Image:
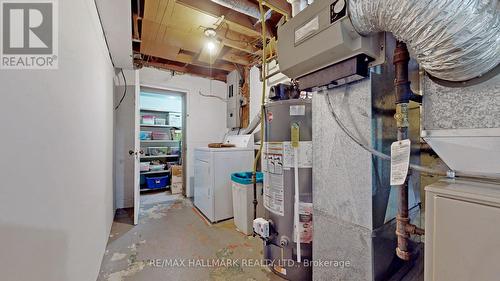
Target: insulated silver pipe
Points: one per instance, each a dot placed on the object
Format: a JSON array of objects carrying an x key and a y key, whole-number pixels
[
  {"x": 246, "y": 7},
  {"x": 454, "y": 40}
]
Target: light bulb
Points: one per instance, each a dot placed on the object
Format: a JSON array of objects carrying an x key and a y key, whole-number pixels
[{"x": 210, "y": 45}]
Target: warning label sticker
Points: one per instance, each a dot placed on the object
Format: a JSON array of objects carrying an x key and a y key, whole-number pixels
[
  {"x": 305, "y": 223},
  {"x": 400, "y": 160},
  {"x": 272, "y": 167}
]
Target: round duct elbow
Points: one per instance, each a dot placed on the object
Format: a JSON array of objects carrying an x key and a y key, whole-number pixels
[{"x": 453, "y": 40}]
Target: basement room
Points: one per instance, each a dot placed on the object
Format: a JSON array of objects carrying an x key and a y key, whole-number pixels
[{"x": 255, "y": 140}]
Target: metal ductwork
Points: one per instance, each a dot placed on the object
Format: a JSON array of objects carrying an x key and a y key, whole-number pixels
[
  {"x": 246, "y": 7},
  {"x": 453, "y": 40}
]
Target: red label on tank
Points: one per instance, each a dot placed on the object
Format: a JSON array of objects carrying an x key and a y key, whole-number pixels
[{"x": 270, "y": 117}]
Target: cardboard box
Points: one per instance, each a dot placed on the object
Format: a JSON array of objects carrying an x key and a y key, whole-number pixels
[
  {"x": 176, "y": 188},
  {"x": 176, "y": 174},
  {"x": 176, "y": 170}
]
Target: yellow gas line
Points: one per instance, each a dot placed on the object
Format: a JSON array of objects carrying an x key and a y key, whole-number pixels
[
  {"x": 276, "y": 9},
  {"x": 262, "y": 114}
]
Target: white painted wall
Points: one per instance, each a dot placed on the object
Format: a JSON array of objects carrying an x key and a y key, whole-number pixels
[
  {"x": 118, "y": 30},
  {"x": 206, "y": 117},
  {"x": 56, "y": 187}
]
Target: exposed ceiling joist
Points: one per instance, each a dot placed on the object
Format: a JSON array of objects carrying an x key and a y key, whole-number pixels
[
  {"x": 171, "y": 34},
  {"x": 238, "y": 22},
  {"x": 236, "y": 40},
  {"x": 221, "y": 76},
  {"x": 230, "y": 56}
]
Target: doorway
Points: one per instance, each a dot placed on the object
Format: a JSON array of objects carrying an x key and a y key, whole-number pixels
[{"x": 161, "y": 138}]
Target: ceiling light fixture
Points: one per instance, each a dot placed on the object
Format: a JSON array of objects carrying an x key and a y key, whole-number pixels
[
  {"x": 210, "y": 45},
  {"x": 210, "y": 32}
]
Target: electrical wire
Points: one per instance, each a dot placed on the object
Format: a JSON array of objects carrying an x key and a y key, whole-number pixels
[
  {"x": 210, "y": 81},
  {"x": 370, "y": 149},
  {"x": 240, "y": 114},
  {"x": 212, "y": 96},
  {"x": 124, "y": 92}
]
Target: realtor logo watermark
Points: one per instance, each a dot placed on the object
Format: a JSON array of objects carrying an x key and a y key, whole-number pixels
[{"x": 29, "y": 34}]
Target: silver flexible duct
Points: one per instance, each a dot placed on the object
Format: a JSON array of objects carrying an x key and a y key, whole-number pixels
[
  {"x": 246, "y": 7},
  {"x": 454, "y": 40}
]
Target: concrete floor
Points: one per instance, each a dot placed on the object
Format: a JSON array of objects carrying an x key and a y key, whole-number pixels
[{"x": 172, "y": 232}]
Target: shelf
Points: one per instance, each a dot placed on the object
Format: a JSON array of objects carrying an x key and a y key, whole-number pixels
[
  {"x": 159, "y": 156},
  {"x": 156, "y": 141},
  {"x": 158, "y": 126},
  {"x": 155, "y": 172},
  {"x": 156, "y": 189},
  {"x": 160, "y": 111}
]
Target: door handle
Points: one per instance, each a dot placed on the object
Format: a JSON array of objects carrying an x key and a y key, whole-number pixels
[{"x": 131, "y": 152}]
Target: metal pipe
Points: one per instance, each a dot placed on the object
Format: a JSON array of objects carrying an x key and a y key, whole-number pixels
[
  {"x": 297, "y": 6},
  {"x": 403, "y": 95},
  {"x": 246, "y": 7}
]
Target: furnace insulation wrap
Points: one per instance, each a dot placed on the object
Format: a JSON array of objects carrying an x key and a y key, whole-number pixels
[{"x": 454, "y": 40}]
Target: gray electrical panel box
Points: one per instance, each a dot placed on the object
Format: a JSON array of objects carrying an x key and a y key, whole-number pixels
[
  {"x": 322, "y": 35},
  {"x": 233, "y": 100}
]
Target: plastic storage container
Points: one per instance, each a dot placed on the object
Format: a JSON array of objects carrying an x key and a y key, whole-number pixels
[
  {"x": 243, "y": 200},
  {"x": 158, "y": 167},
  {"x": 175, "y": 119},
  {"x": 145, "y": 135},
  {"x": 145, "y": 166},
  {"x": 160, "y": 121},
  {"x": 148, "y": 120},
  {"x": 155, "y": 151},
  {"x": 160, "y": 136},
  {"x": 175, "y": 150},
  {"x": 156, "y": 182}
]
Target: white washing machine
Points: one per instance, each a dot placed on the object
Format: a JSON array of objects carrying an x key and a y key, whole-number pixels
[{"x": 212, "y": 175}]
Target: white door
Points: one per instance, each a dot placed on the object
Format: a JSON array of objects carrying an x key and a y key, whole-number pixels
[
  {"x": 137, "y": 150},
  {"x": 127, "y": 146}
]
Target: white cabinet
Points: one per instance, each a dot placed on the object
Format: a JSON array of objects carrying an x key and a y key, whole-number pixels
[{"x": 462, "y": 224}]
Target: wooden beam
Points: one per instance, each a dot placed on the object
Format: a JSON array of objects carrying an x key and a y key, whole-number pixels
[
  {"x": 136, "y": 19},
  {"x": 239, "y": 21},
  {"x": 245, "y": 92},
  {"x": 231, "y": 57},
  {"x": 186, "y": 59},
  {"x": 236, "y": 40},
  {"x": 221, "y": 76}
]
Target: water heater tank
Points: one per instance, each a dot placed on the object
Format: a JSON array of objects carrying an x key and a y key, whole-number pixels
[{"x": 279, "y": 185}]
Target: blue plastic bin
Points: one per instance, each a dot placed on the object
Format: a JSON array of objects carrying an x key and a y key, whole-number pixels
[
  {"x": 145, "y": 135},
  {"x": 246, "y": 178},
  {"x": 156, "y": 182}
]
